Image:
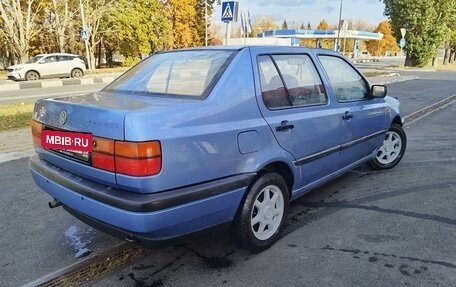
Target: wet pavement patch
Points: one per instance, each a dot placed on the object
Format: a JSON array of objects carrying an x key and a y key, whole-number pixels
[
  {"x": 373, "y": 259},
  {"x": 215, "y": 262},
  {"x": 76, "y": 241}
]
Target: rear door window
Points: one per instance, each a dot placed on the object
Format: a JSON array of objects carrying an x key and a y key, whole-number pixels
[{"x": 290, "y": 80}]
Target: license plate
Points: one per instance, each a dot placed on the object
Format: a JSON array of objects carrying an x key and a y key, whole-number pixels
[{"x": 72, "y": 143}]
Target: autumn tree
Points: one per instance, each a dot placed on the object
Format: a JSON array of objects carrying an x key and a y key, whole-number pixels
[
  {"x": 327, "y": 44},
  {"x": 181, "y": 15},
  {"x": 426, "y": 22},
  {"x": 386, "y": 44},
  {"x": 201, "y": 7},
  {"x": 19, "y": 24},
  {"x": 323, "y": 25},
  {"x": 263, "y": 24},
  {"x": 139, "y": 27},
  {"x": 60, "y": 16}
]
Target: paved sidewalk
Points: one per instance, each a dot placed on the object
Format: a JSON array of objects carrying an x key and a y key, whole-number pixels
[{"x": 15, "y": 144}]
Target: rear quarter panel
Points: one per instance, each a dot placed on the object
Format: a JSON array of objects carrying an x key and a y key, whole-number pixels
[{"x": 199, "y": 140}]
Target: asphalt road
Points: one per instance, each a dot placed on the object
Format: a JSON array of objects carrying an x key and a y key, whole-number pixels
[
  {"x": 364, "y": 229},
  {"x": 31, "y": 95}
]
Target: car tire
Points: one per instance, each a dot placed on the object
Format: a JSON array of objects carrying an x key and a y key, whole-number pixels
[
  {"x": 392, "y": 149},
  {"x": 77, "y": 73},
  {"x": 262, "y": 213},
  {"x": 32, "y": 76}
]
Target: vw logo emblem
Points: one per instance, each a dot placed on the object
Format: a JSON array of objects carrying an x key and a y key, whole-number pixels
[{"x": 63, "y": 117}]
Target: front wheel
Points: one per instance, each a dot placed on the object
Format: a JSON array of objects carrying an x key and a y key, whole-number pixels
[
  {"x": 392, "y": 149},
  {"x": 77, "y": 73},
  {"x": 262, "y": 213},
  {"x": 32, "y": 76}
]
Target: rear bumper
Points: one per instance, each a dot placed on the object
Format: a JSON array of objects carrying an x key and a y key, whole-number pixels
[{"x": 157, "y": 216}]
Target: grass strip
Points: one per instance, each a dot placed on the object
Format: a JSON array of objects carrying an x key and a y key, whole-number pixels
[{"x": 15, "y": 116}]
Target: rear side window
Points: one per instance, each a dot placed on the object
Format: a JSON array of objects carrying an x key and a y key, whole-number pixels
[
  {"x": 182, "y": 73},
  {"x": 65, "y": 58},
  {"x": 347, "y": 83},
  {"x": 290, "y": 80}
]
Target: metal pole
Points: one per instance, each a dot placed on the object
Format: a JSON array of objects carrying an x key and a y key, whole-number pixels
[
  {"x": 84, "y": 28},
  {"x": 205, "y": 22},
  {"x": 338, "y": 29},
  {"x": 226, "y": 33}
]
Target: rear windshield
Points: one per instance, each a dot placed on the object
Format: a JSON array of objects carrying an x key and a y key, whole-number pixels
[{"x": 189, "y": 73}]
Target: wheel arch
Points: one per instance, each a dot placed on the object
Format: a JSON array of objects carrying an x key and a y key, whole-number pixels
[
  {"x": 281, "y": 168},
  {"x": 32, "y": 70},
  {"x": 397, "y": 120}
]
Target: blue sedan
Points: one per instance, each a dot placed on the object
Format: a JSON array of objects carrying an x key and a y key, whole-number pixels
[{"x": 192, "y": 139}]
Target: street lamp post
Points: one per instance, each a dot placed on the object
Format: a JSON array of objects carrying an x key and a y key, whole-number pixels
[{"x": 338, "y": 29}]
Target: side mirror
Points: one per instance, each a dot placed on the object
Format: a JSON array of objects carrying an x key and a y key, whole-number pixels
[
  {"x": 378, "y": 91},
  {"x": 41, "y": 62}
]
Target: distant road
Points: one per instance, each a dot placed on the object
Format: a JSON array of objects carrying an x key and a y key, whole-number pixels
[{"x": 31, "y": 95}]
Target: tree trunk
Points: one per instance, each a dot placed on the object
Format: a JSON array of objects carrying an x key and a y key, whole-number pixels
[
  {"x": 410, "y": 61},
  {"x": 99, "y": 53},
  {"x": 451, "y": 60},
  {"x": 108, "y": 52},
  {"x": 24, "y": 56},
  {"x": 446, "y": 56}
]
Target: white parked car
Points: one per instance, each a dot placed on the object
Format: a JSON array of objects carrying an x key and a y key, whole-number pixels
[{"x": 48, "y": 66}]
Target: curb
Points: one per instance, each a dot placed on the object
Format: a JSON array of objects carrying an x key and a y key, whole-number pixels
[
  {"x": 365, "y": 61},
  {"x": 56, "y": 83}
]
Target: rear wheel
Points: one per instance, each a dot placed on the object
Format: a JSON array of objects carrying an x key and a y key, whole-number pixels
[
  {"x": 77, "y": 73},
  {"x": 32, "y": 76},
  {"x": 392, "y": 149},
  {"x": 262, "y": 213}
]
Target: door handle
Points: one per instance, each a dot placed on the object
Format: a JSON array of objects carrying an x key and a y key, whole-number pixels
[
  {"x": 347, "y": 115},
  {"x": 284, "y": 125}
]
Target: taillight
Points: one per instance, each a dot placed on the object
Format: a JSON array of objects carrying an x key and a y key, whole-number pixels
[
  {"x": 138, "y": 159},
  {"x": 103, "y": 154},
  {"x": 37, "y": 127},
  {"x": 129, "y": 158}
]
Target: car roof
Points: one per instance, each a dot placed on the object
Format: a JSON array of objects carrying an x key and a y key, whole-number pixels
[{"x": 56, "y": 54}]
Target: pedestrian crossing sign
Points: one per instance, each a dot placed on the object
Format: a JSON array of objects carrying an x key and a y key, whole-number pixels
[{"x": 229, "y": 11}]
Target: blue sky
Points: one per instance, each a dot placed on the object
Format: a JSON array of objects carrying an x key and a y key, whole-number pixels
[{"x": 303, "y": 11}]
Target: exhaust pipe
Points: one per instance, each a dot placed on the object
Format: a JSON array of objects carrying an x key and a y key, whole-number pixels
[
  {"x": 55, "y": 203},
  {"x": 132, "y": 239}
]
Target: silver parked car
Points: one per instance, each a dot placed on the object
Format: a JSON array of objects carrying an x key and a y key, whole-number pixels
[{"x": 48, "y": 66}]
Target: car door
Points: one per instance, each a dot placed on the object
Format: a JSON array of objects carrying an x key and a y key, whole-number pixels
[
  {"x": 295, "y": 105},
  {"x": 363, "y": 117},
  {"x": 49, "y": 66},
  {"x": 65, "y": 65}
]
